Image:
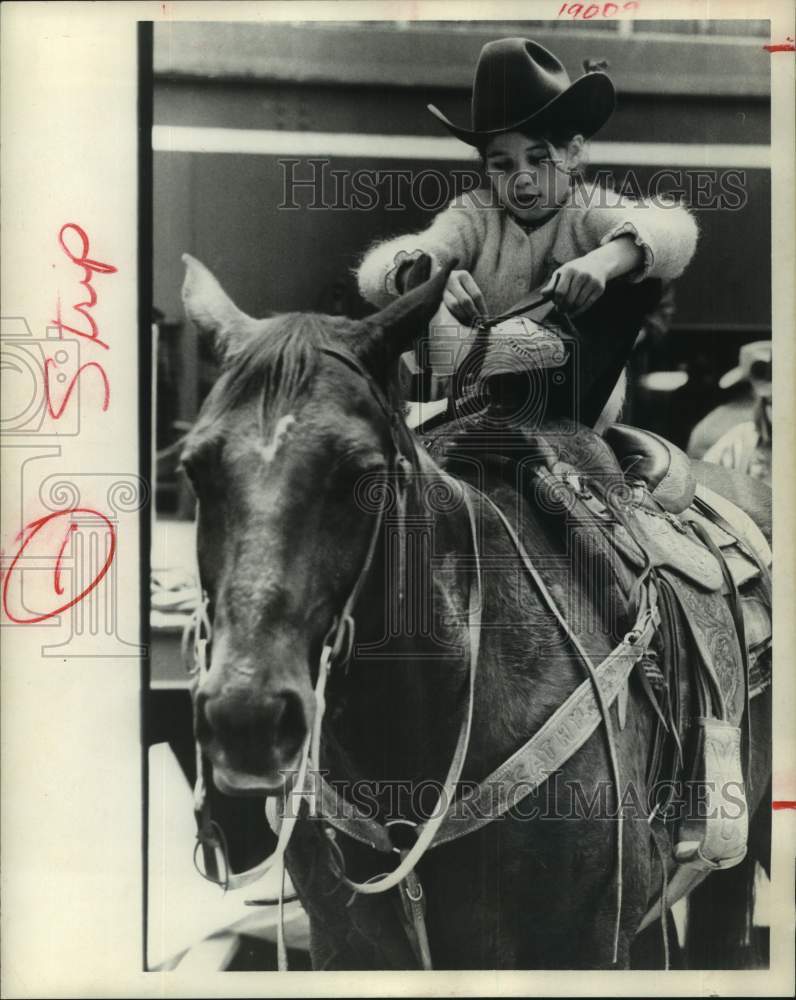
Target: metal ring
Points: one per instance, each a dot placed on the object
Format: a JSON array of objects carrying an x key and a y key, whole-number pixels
[
  {"x": 400, "y": 822},
  {"x": 418, "y": 897}
]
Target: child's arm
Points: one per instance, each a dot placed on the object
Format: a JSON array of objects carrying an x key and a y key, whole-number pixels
[
  {"x": 579, "y": 283},
  {"x": 611, "y": 236},
  {"x": 455, "y": 234}
]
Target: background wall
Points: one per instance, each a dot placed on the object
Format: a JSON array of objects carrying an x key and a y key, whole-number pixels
[{"x": 691, "y": 95}]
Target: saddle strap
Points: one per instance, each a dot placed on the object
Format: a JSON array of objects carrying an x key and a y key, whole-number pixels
[{"x": 413, "y": 911}]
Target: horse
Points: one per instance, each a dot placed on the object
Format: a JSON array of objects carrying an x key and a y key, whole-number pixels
[{"x": 331, "y": 543}]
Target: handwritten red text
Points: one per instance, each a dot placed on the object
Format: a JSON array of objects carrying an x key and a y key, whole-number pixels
[
  {"x": 74, "y": 242},
  {"x": 587, "y": 11},
  {"x": 31, "y": 531}
]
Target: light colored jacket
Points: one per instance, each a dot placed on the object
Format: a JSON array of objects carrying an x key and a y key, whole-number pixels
[{"x": 507, "y": 260}]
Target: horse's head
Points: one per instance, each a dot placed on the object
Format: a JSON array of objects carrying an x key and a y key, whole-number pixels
[{"x": 275, "y": 457}]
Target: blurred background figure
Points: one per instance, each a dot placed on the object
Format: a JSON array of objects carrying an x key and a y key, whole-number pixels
[
  {"x": 746, "y": 446},
  {"x": 737, "y": 409}
]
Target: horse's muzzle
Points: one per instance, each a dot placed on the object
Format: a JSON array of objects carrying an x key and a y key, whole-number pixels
[{"x": 251, "y": 742}]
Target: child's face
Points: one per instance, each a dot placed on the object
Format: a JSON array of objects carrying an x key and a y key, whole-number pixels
[{"x": 530, "y": 176}]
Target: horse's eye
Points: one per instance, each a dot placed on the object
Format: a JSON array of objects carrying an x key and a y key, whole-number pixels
[{"x": 353, "y": 473}]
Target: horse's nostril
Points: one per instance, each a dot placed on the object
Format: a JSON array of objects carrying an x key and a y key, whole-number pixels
[{"x": 256, "y": 736}]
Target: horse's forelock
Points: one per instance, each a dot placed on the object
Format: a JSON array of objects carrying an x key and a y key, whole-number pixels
[{"x": 279, "y": 364}]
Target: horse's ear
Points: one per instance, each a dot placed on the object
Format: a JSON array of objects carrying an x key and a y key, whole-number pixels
[
  {"x": 213, "y": 312},
  {"x": 394, "y": 330}
]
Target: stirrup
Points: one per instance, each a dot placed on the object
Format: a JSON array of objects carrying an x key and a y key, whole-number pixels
[{"x": 717, "y": 836}]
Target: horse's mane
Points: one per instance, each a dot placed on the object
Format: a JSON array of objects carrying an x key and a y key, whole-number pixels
[{"x": 280, "y": 363}]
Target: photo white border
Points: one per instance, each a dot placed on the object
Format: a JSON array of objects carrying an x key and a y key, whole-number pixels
[{"x": 71, "y": 745}]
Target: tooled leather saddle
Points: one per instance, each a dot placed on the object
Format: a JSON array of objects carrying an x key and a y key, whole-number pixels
[
  {"x": 636, "y": 508},
  {"x": 633, "y": 504}
]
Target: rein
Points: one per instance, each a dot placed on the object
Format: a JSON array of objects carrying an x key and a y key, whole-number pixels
[{"x": 570, "y": 726}]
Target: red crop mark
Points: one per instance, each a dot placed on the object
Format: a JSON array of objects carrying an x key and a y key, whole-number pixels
[
  {"x": 28, "y": 533},
  {"x": 783, "y": 804},
  {"x": 81, "y": 258},
  {"x": 786, "y": 46}
]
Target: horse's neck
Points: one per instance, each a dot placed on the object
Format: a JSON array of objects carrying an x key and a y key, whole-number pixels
[{"x": 405, "y": 697}]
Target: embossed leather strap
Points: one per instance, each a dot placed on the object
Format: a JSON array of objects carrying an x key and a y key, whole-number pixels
[{"x": 561, "y": 736}]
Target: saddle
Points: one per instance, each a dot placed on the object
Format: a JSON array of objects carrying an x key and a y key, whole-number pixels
[{"x": 632, "y": 502}]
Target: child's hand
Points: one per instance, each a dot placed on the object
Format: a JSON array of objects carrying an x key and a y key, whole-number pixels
[
  {"x": 577, "y": 285},
  {"x": 463, "y": 298}
]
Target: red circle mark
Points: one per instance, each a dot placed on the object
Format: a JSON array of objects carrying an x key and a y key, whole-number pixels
[
  {"x": 57, "y": 575},
  {"x": 32, "y": 530}
]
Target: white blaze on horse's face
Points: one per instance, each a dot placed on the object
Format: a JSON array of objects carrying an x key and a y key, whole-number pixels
[{"x": 280, "y": 435}]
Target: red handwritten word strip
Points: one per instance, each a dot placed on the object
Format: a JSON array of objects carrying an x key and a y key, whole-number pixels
[
  {"x": 75, "y": 243},
  {"x": 783, "y": 804}
]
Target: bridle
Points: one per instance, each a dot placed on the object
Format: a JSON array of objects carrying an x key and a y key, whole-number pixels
[
  {"x": 570, "y": 726},
  {"x": 336, "y": 651}
]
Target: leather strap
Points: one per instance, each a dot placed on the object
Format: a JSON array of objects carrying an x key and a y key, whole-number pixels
[
  {"x": 528, "y": 302},
  {"x": 413, "y": 907},
  {"x": 428, "y": 831},
  {"x": 561, "y": 736},
  {"x": 606, "y": 719}
]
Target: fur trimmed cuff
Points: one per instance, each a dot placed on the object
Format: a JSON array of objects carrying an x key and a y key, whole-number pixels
[
  {"x": 390, "y": 278},
  {"x": 628, "y": 229}
]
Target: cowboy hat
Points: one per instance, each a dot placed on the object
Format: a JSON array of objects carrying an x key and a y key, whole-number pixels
[
  {"x": 754, "y": 366},
  {"x": 519, "y": 85}
]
